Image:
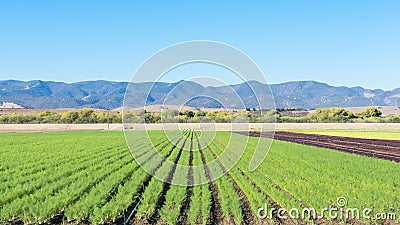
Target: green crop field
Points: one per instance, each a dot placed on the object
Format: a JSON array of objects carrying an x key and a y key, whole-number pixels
[{"x": 91, "y": 177}]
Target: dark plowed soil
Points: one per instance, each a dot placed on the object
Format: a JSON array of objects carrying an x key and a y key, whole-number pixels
[
  {"x": 131, "y": 209},
  {"x": 215, "y": 211},
  {"x": 277, "y": 220},
  {"x": 248, "y": 215},
  {"x": 383, "y": 149},
  {"x": 189, "y": 189},
  {"x": 166, "y": 186}
]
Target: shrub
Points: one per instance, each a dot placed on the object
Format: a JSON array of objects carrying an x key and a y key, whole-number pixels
[{"x": 370, "y": 112}]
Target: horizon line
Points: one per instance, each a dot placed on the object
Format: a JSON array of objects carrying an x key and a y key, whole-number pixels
[{"x": 173, "y": 82}]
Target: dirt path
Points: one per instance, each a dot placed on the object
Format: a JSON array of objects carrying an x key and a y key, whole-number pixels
[{"x": 198, "y": 126}]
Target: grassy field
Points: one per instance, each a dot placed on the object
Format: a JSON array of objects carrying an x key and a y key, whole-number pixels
[
  {"x": 371, "y": 134},
  {"x": 91, "y": 176}
]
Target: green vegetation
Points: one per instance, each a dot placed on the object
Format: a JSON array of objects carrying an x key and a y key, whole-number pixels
[
  {"x": 91, "y": 175},
  {"x": 200, "y": 205},
  {"x": 317, "y": 177},
  {"x": 72, "y": 116},
  {"x": 369, "y": 112},
  {"x": 341, "y": 115},
  {"x": 323, "y": 115}
]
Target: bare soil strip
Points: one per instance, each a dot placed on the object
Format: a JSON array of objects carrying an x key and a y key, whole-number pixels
[
  {"x": 114, "y": 192},
  {"x": 259, "y": 189},
  {"x": 38, "y": 187},
  {"x": 383, "y": 149},
  {"x": 77, "y": 198},
  {"x": 189, "y": 189},
  {"x": 385, "y": 144},
  {"x": 139, "y": 193},
  {"x": 210, "y": 126},
  {"x": 166, "y": 186},
  {"x": 58, "y": 218},
  {"x": 248, "y": 215},
  {"x": 215, "y": 209},
  {"x": 317, "y": 220}
]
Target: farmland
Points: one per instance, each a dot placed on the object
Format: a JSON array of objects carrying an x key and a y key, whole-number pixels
[
  {"x": 91, "y": 177},
  {"x": 369, "y": 134},
  {"x": 377, "y": 148}
]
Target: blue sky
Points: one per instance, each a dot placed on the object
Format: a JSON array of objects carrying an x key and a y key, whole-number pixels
[{"x": 340, "y": 42}]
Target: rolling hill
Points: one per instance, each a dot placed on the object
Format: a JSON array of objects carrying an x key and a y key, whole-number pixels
[{"x": 108, "y": 95}]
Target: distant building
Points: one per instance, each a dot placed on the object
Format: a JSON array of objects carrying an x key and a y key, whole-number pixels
[{"x": 10, "y": 105}]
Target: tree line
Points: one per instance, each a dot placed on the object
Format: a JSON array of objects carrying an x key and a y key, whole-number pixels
[
  {"x": 341, "y": 115},
  {"x": 323, "y": 115},
  {"x": 69, "y": 117}
]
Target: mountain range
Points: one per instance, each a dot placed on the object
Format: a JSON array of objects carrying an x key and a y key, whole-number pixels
[{"x": 108, "y": 95}]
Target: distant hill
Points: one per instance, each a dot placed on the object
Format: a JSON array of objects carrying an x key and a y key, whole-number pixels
[{"x": 108, "y": 95}]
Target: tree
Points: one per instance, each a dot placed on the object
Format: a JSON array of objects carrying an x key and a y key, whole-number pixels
[
  {"x": 331, "y": 115},
  {"x": 139, "y": 112},
  {"x": 152, "y": 117},
  {"x": 200, "y": 114},
  {"x": 396, "y": 118},
  {"x": 87, "y": 116},
  {"x": 170, "y": 116},
  {"x": 69, "y": 117},
  {"x": 271, "y": 116},
  {"x": 370, "y": 112},
  {"x": 47, "y": 117},
  {"x": 188, "y": 113}
]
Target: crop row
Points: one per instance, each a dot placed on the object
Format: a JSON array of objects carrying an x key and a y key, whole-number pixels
[
  {"x": 81, "y": 179},
  {"x": 292, "y": 179}
]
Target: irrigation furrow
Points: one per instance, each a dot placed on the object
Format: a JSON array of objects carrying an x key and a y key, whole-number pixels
[
  {"x": 166, "y": 186},
  {"x": 248, "y": 215},
  {"x": 44, "y": 181},
  {"x": 189, "y": 189},
  {"x": 277, "y": 186},
  {"x": 89, "y": 192},
  {"x": 317, "y": 220},
  {"x": 55, "y": 159},
  {"x": 115, "y": 190},
  {"x": 69, "y": 187},
  {"x": 131, "y": 210},
  {"x": 34, "y": 168},
  {"x": 215, "y": 212},
  {"x": 259, "y": 189}
]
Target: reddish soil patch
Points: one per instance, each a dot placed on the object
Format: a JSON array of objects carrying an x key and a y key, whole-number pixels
[{"x": 383, "y": 149}]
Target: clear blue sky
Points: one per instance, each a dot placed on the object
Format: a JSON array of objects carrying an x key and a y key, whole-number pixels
[{"x": 340, "y": 42}]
